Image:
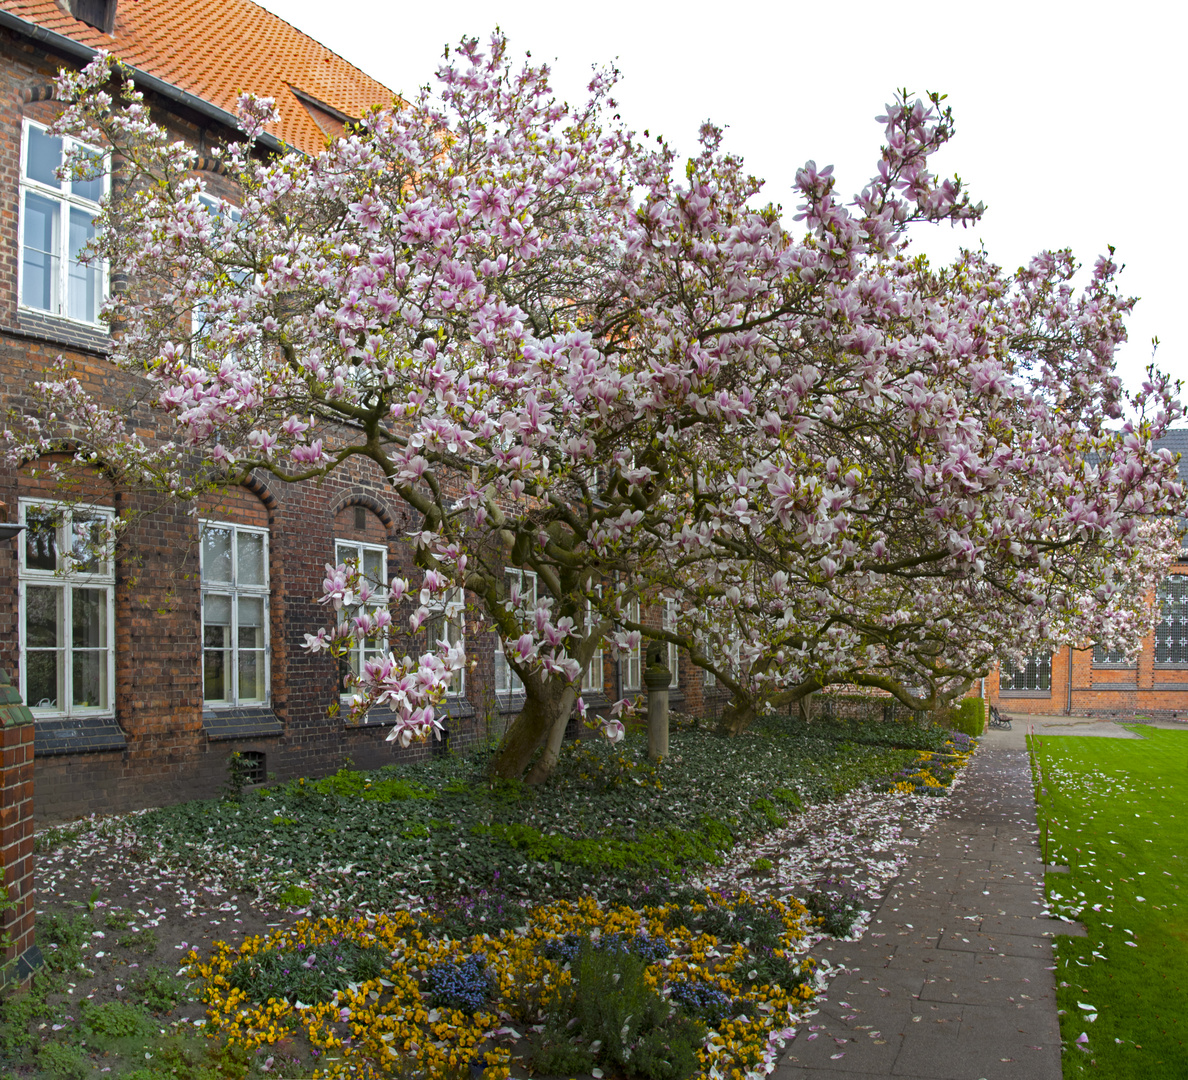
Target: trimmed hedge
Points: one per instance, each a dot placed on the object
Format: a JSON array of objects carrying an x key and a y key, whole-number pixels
[{"x": 970, "y": 716}]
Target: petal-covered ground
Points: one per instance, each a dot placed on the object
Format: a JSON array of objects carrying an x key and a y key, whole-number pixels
[{"x": 312, "y": 960}]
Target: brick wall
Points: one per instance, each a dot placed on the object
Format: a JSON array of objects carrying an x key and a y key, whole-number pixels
[{"x": 16, "y": 830}]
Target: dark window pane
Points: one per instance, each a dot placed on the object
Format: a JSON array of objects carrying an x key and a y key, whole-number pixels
[
  {"x": 43, "y": 616},
  {"x": 41, "y": 539},
  {"x": 90, "y": 678},
  {"x": 214, "y": 675},
  {"x": 88, "y": 541},
  {"x": 89, "y": 616},
  {"x": 43, "y": 675},
  {"x": 216, "y": 554}
]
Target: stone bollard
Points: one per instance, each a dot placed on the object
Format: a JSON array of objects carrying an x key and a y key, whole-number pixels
[
  {"x": 657, "y": 678},
  {"x": 16, "y": 832}
]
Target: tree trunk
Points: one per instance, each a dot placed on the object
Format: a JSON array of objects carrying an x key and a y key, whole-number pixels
[
  {"x": 735, "y": 719},
  {"x": 547, "y": 762},
  {"x": 544, "y": 706}
]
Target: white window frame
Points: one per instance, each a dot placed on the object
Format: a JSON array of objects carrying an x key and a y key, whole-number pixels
[
  {"x": 215, "y": 207},
  {"x": 594, "y": 677},
  {"x": 507, "y": 682},
  {"x": 67, "y": 580},
  {"x": 66, "y": 200},
  {"x": 354, "y": 549},
  {"x": 633, "y": 660},
  {"x": 709, "y": 680},
  {"x": 235, "y": 590},
  {"x": 450, "y": 613},
  {"x": 668, "y": 621}
]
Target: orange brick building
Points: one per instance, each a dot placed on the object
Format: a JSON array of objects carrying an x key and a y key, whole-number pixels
[{"x": 1091, "y": 682}]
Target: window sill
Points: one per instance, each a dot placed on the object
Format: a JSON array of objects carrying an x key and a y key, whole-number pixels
[
  {"x": 63, "y": 331},
  {"x": 1114, "y": 685},
  {"x": 240, "y": 722},
  {"x": 509, "y": 703},
  {"x": 76, "y": 735},
  {"x": 1115, "y": 667},
  {"x": 1024, "y": 693}
]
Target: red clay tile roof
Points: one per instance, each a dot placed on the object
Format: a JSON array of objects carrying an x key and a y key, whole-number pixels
[{"x": 217, "y": 49}]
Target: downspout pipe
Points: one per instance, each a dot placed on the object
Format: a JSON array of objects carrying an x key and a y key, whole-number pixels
[
  {"x": 76, "y": 50},
  {"x": 1068, "y": 710}
]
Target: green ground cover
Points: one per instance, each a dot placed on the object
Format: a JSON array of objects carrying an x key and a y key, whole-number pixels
[
  {"x": 443, "y": 926},
  {"x": 1113, "y": 811},
  {"x": 608, "y": 819}
]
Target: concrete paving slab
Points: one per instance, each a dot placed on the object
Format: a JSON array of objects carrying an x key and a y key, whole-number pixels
[
  {"x": 954, "y": 977},
  {"x": 1003, "y": 944}
]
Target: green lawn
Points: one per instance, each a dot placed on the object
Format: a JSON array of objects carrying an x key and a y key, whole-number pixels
[{"x": 1114, "y": 811}]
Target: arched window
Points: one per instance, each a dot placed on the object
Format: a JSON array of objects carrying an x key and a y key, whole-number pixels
[
  {"x": 67, "y": 598},
  {"x": 235, "y": 656},
  {"x": 1035, "y": 673},
  {"x": 1171, "y": 635},
  {"x": 1111, "y": 657}
]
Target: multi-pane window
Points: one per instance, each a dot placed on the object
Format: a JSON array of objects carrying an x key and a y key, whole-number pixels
[
  {"x": 67, "y": 598},
  {"x": 592, "y": 677},
  {"x": 221, "y": 213},
  {"x": 1035, "y": 673},
  {"x": 670, "y": 623},
  {"x": 709, "y": 681},
  {"x": 633, "y": 661},
  {"x": 234, "y": 614},
  {"x": 372, "y": 561},
  {"x": 522, "y": 585},
  {"x": 1102, "y": 655},
  {"x": 57, "y": 224},
  {"x": 448, "y": 624},
  {"x": 1171, "y": 635}
]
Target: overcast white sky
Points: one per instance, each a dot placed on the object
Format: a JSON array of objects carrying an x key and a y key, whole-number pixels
[{"x": 1070, "y": 117}]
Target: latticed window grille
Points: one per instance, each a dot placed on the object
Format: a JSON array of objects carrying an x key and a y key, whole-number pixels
[
  {"x": 1034, "y": 674},
  {"x": 1171, "y": 636},
  {"x": 1102, "y": 655}
]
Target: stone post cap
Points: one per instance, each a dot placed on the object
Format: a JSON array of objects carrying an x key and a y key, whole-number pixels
[{"x": 657, "y": 678}]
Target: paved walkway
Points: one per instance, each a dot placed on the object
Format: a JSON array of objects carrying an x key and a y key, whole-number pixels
[{"x": 953, "y": 980}]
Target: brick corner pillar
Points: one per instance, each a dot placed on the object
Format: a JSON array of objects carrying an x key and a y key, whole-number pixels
[{"x": 22, "y": 957}]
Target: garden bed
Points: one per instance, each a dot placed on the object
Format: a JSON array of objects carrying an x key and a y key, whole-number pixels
[{"x": 695, "y": 871}]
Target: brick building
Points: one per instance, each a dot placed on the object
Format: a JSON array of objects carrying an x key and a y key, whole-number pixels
[
  {"x": 1092, "y": 682},
  {"x": 146, "y": 670}
]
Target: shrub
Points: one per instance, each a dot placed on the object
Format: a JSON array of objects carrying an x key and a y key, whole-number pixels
[
  {"x": 610, "y": 1004},
  {"x": 969, "y": 717}
]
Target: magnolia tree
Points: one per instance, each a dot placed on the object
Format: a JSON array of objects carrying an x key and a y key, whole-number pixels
[
  {"x": 915, "y": 471},
  {"x": 565, "y": 359}
]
